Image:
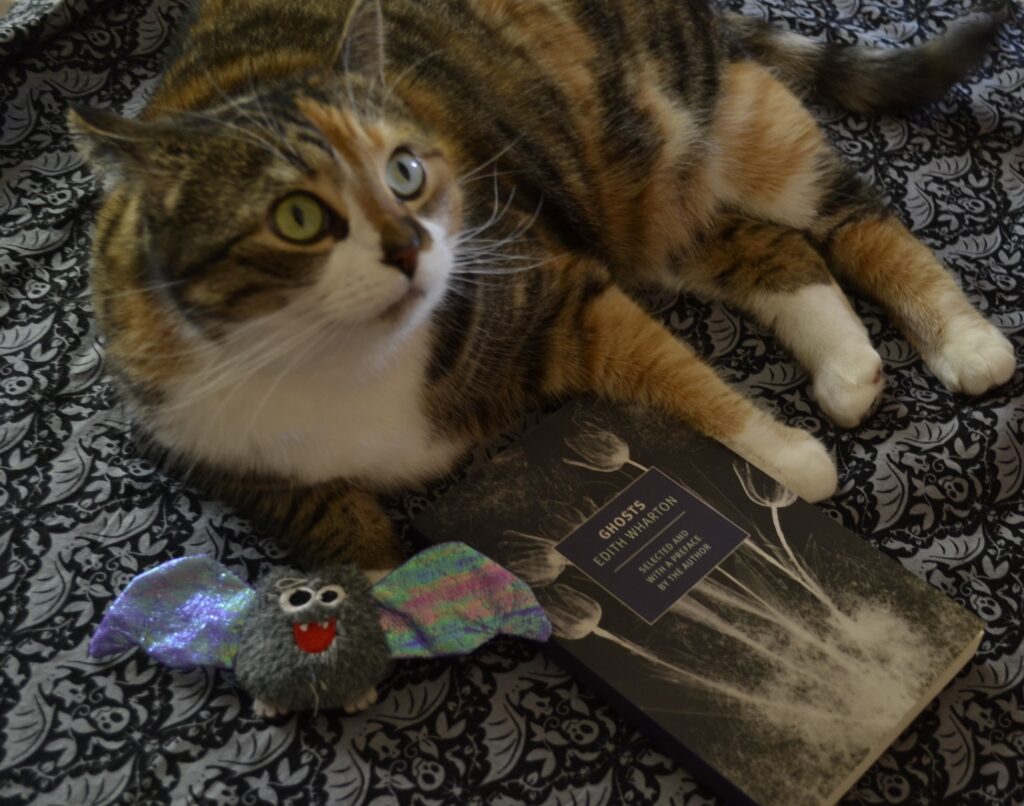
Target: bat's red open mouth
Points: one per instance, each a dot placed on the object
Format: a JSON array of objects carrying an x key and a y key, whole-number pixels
[{"x": 314, "y": 636}]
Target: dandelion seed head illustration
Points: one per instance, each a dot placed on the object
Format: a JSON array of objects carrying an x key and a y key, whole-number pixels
[
  {"x": 532, "y": 558},
  {"x": 573, "y": 615},
  {"x": 765, "y": 493},
  {"x": 567, "y": 517},
  {"x": 598, "y": 449}
]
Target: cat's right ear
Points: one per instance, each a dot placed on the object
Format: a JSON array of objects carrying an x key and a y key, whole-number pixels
[
  {"x": 361, "y": 49},
  {"x": 111, "y": 144}
]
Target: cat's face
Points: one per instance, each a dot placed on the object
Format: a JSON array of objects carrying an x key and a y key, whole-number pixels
[{"x": 279, "y": 216}]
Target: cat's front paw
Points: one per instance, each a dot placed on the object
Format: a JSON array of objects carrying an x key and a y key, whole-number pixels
[
  {"x": 362, "y": 702},
  {"x": 793, "y": 457},
  {"x": 805, "y": 467},
  {"x": 974, "y": 358},
  {"x": 849, "y": 385}
]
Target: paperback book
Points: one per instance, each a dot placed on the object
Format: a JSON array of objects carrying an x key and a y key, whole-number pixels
[{"x": 769, "y": 649}]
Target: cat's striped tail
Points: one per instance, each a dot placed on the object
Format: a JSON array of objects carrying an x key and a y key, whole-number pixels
[{"x": 866, "y": 79}]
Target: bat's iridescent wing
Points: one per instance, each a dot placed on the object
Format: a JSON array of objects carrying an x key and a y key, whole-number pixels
[
  {"x": 450, "y": 599},
  {"x": 184, "y": 613}
]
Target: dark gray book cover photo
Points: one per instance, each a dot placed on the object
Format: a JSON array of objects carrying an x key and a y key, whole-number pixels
[{"x": 772, "y": 651}]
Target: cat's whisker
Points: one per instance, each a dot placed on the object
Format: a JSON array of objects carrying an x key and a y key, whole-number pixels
[
  {"x": 233, "y": 369},
  {"x": 249, "y": 349},
  {"x": 404, "y": 75},
  {"x": 497, "y": 213},
  {"x": 235, "y": 132},
  {"x": 478, "y": 271},
  {"x": 261, "y": 119},
  {"x": 485, "y": 260},
  {"x": 492, "y": 176},
  {"x": 514, "y": 236},
  {"x": 492, "y": 160},
  {"x": 302, "y": 351},
  {"x": 323, "y": 337},
  {"x": 141, "y": 291},
  {"x": 235, "y": 104}
]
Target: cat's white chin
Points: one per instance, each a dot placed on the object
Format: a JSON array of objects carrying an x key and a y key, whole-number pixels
[
  {"x": 357, "y": 289},
  {"x": 406, "y": 304}
]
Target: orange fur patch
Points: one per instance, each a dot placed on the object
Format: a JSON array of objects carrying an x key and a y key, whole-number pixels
[
  {"x": 883, "y": 259},
  {"x": 631, "y": 358},
  {"x": 769, "y": 146}
]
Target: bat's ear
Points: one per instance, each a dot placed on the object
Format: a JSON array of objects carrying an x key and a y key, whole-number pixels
[{"x": 183, "y": 613}]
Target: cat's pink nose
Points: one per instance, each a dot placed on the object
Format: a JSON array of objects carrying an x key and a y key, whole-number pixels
[{"x": 401, "y": 242}]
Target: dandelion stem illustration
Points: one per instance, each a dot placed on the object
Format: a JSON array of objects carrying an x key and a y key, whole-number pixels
[{"x": 575, "y": 615}]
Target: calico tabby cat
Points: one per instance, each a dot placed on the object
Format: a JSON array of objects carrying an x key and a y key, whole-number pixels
[{"x": 346, "y": 242}]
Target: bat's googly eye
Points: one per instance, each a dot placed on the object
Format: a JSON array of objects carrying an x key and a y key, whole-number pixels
[
  {"x": 295, "y": 599},
  {"x": 330, "y": 595}
]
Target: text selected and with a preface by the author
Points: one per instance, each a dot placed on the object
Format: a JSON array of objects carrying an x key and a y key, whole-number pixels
[{"x": 651, "y": 543}]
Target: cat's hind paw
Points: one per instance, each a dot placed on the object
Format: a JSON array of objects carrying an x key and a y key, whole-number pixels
[
  {"x": 974, "y": 358},
  {"x": 850, "y": 385}
]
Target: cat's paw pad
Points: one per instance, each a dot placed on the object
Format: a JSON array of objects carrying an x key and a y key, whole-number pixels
[
  {"x": 362, "y": 702},
  {"x": 804, "y": 466},
  {"x": 849, "y": 385},
  {"x": 975, "y": 357},
  {"x": 264, "y": 710}
]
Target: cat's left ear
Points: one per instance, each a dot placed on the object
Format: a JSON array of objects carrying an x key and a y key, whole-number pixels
[
  {"x": 361, "y": 48},
  {"x": 111, "y": 144}
]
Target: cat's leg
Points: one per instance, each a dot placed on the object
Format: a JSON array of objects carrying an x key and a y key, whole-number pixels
[
  {"x": 321, "y": 524},
  {"x": 776, "y": 165},
  {"x": 774, "y": 273},
  {"x": 612, "y": 347}
]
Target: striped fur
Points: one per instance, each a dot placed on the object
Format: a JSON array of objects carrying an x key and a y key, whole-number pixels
[
  {"x": 863, "y": 79},
  {"x": 574, "y": 150}
]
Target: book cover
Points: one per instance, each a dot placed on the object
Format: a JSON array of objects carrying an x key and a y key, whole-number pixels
[{"x": 770, "y": 650}]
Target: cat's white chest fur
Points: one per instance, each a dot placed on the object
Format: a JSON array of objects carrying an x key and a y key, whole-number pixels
[{"x": 333, "y": 418}]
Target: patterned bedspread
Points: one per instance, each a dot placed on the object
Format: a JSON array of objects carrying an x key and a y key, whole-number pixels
[{"x": 933, "y": 480}]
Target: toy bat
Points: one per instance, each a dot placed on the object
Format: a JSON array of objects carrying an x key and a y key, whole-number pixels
[{"x": 299, "y": 641}]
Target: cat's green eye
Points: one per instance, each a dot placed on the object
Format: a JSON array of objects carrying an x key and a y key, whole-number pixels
[
  {"x": 406, "y": 175},
  {"x": 299, "y": 218}
]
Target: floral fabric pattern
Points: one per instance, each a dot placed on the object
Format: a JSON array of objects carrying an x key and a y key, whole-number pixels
[{"x": 934, "y": 480}]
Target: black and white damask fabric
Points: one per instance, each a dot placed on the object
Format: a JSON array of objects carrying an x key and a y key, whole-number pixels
[{"x": 933, "y": 480}]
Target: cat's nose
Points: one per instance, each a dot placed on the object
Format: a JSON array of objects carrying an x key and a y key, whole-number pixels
[{"x": 401, "y": 241}]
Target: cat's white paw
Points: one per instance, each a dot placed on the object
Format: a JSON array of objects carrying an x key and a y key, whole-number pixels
[
  {"x": 362, "y": 702},
  {"x": 849, "y": 384},
  {"x": 975, "y": 357},
  {"x": 790, "y": 455},
  {"x": 805, "y": 467},
  {"x": 264, "y": 710}
]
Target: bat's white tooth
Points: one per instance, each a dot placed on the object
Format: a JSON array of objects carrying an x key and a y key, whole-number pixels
[{"x": 304, "y": 627}]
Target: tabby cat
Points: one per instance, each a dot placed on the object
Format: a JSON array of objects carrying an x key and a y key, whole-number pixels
[{"x": 345, "y": 242}]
